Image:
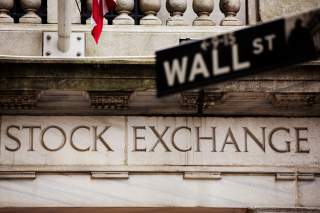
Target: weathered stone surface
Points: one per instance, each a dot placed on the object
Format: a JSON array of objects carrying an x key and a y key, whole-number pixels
[
  {"x": 285, "y": 210},
  {"x": 21, "y": 43},
  {"x": 161, "y": 141},
  {"x": 308, "y": 195},
  {"x": 147, "y": 191},
  {"x": 113, "y": 42},
  {"x": 270, "y": 9},
  {"x": 114, "y": 39},
  {"x": 180, "y": 145},
  {"x": 51, "y": 141},
  {"x": 116, "y": 43}
]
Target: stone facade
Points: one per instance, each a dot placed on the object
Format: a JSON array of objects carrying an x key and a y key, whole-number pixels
[{"x": 90, "y": 132}]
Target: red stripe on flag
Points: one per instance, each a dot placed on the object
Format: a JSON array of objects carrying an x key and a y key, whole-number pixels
[
  {"x": 111, "y": 4},
  {"x": 99, "y": 8}
]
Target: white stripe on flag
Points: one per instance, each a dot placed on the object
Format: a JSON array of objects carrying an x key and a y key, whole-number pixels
[{"x": 105, "y": 8}]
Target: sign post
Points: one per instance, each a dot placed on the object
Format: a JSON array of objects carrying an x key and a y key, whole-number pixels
[{"x": 267, "y": 46}]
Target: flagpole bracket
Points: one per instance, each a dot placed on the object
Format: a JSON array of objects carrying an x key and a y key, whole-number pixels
[{"x": 51, "y": 50}]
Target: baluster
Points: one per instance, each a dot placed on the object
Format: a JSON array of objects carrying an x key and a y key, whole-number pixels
[
  {"x": 124, "y": 8},
  {"x": 5, "y": 7},
  {"x": 30, "y": 7},
  {"x": 203, "y": 8},
  {"x": 230, "y": 8},
  {"x": 150, "y": 8},
  {"x": 176, "y": 9}
]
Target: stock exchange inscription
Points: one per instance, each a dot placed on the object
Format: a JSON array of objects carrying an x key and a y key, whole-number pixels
[
  {"x": 278, "y": 139},
  {"x": 76, "y": 141}
]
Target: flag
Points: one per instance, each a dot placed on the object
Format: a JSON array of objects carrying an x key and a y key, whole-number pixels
[{"x": 99, "y": 9}]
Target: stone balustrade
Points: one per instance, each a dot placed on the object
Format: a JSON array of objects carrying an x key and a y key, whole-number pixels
[{"x": 130, "y": 12}]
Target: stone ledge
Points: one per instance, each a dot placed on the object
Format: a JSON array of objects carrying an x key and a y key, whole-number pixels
[
  {"x": 122, "y": 210},
  {"x": 86, "y": 60},
  {"x": 109, "y": 175},
  {"x": 121, "y": 28},
  {"x": 114, "y": 40},
  {"x": 249, "y": 170},
  {"x": 285, "y": 210},
  {"x": 17, "y": 175},
  {"x": 105, "y": 60}
]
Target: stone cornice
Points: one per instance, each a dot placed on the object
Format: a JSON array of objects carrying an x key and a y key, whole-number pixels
[{"x": 254, "y": 95}]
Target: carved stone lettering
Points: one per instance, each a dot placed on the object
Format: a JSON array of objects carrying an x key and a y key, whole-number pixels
[
  {"x": 300, "y": 139},
  {"x": 212, "y": 138},
  {"x": 158, "y": 141},
  {"x": 14, "y": 138},
  {"x": 99, "y": 137},
  {"x": 73, "y": 143},
  {"x": 260, "y": 143},
  {"x": 136, "y": 138},
  {"x": 231, "y": 140},
  {"x": 174, "y": 142},
  {"x": 63, "y": 141},
  {"x": 31, "y": 137},
  {"x": 272, "y": 143}
]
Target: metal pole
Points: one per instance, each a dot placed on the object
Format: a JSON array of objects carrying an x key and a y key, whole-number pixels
[{"x": 64, "y": 24}]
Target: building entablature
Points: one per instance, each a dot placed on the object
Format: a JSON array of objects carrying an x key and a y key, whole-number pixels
[{"x": 126, "y": 86}]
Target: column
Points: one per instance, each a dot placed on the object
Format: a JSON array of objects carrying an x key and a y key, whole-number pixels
[
  {"x": 203, "y": 8},
  {"x": 124, "y": 8},
  {"x": 150, "y": 8},
  {"x": 30, "y": 7},
  {"x": 230, "y": 8},
  {"x": 5, "y": 7},
  {"x": 176, "y": 9}
]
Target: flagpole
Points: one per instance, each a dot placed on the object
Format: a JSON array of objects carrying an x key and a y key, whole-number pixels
[{"x": 64, "y": 25}]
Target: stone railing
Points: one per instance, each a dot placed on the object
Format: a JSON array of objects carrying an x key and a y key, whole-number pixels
[
  {"x": 130, "y": 12},
  {"x": 176, "y": 9}
]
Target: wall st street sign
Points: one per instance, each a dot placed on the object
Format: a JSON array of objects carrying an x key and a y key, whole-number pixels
[{"x": 272, "y": 45}]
